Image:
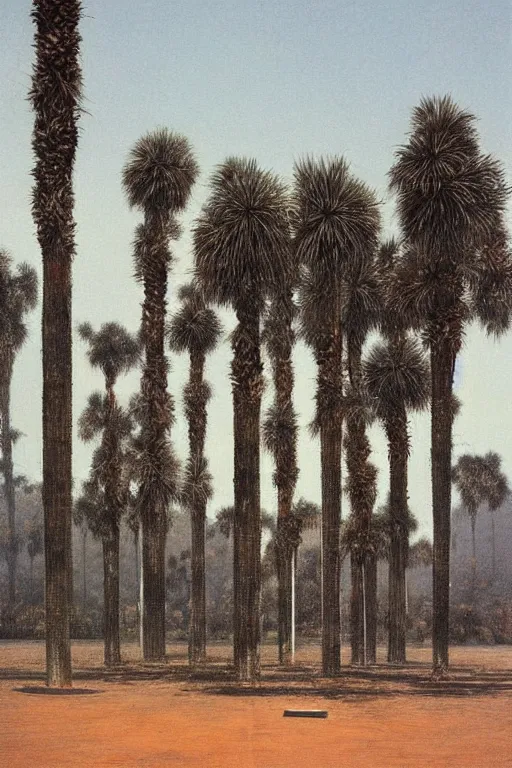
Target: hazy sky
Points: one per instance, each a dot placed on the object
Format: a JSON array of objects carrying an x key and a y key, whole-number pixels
[{"x": 274, "y": 81}]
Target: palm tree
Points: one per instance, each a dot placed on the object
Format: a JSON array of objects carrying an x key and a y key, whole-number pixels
[
  {"x": 196, "y": 329},
  {"x": 361, "y": 305},
  {"x": 242, "y": 243},
  {"x": 18, "y": 294},
  {"x": 451, "y": 200},
  {"x": 467, "y": 476},
  {"x": 157, "y": 178},
  {"x": 336, "y": 220},
  {"x": 396, "y": 376},
  {"x": 114, "y": 351},
  {"x": 497, "y": 491},
  {"x": 280, "y": 438},
  {"x": 34, "y": 533},
  {"x": 55, "y": 97},
  {"x": 106, "y": 492}
]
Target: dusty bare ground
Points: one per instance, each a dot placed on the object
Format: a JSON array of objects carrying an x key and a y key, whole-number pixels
[{"x": 164, "y": 715}]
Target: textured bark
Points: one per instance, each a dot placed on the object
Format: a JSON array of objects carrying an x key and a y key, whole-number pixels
[
  {"x": 473, "y": 555},
  {"x": 7, "y": 468},
  {"x": 196, "y": 417},
  {"x": 286, "y": 467},
  {"x": 362, "y": 493},
  {"x": 247, "y": 390},
  {"x": 84, "y": 567},
  {"x": 329, "y": 391},
  {"x": 331, "y": 560},
  {"x": 111, "y": 598},
  {"x": 154, "y": 529},
  {"x": 396, "y": 430},
  {"x": 153, "y": 491},
  {"x": 197, "y": 623},
  {"x": 356, "y": 611},
  {"x": 371, "y": 608},
  {"x": 55, "y": 97},
  {"x": 442, "y": 364}
]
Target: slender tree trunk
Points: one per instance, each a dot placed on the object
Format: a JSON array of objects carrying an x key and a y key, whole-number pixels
[
  {"x": 356, "y": 610},
  {"x": 155, "y": 491},
  {"x": 493, "y": 545},
  {"x": 398, "y": 448},
  {"x": 371, "y": 608},
  {"x": 285, "y": 456},
  {"x": 196, "y": 397},
  {"x": 32, "y": 580},
  {"x": 473, "y": 556},
  {"x": 55, "y": 97},
  {"x": 7, "y": 469},
  {"x": 197, "y": 624},
  {"x": 84, "y": 568},
  {"x": 331, "y": 518},
  {"x": 442, "y": 364},
  {"x": 111, "y": 598},
  {"x": 247, "y": 391}
]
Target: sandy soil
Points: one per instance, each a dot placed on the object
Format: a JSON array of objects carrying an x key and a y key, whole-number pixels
[{"x": 164, "y": 715}]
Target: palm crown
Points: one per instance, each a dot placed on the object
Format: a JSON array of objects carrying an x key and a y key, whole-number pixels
[
  {"x": 160, "y": 172},
  {"x": 241, "y": 238}
]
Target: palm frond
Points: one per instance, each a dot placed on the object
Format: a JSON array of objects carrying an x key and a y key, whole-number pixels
[
  {"x": 335, "y": 216},
  {"x": 450, "y": 197},
  {"x": 160, "y": 172},
  {"x": 396, "y": 374},
  {"x": 242, "y": 236}
]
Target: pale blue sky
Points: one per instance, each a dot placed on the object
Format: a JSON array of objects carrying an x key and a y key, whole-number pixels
[{"x": 270, "y": 80}]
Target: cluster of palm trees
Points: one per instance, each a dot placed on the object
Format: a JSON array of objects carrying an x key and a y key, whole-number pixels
[{"x": 304, "y": 259}]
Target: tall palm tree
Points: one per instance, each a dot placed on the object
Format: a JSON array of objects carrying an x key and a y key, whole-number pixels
[
  {"x": 361, "y": 305},
  {"x": 55, "y": 97},
  {"x": 497, "y": 491},
  {"x": 280, "y": 438},
  {"x": 105, "y": 491},
  {"x": 18, "y": 295},
  {"x": 241, "y": 243},
  {"x": 467, "y": 476},
  {"x": 157, "y": 178},
  {"x": 336, "y": 219},
  {"x": 114, "y": 351},
  {"x": 34, "y": 533},
  {"x": 450, "y": 200},
  {"x": 196, "y": 329},
  {"x": 397, "y": 378}
]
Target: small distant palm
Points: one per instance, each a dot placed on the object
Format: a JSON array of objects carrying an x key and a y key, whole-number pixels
[{"x": 18, "y": 295}]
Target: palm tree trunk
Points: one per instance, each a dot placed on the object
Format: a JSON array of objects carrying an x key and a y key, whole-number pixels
[
  {"x": 7, "y": 469},
  {"x": 247, "y": 391},
  {"x": 473, "y": 555},
  {"x": 111, "y": 597},
  {"x": 55, "y": 97},
  {"x": 84, "y": 568},
  {"x": 155, "y": 436},
  {"x": 371, "y": 608},
  {"x": 284, "y": 552},
  {"x": 196, "y": 400},
  {"x": 493, "y": 545},
  {"x": 32, "y": 580},
  {"x": 356, "y": 610},
  {"x": 197, "y": 624},
  {"x": 330, "y": 453},
  {"x": 398, "y": 448},
  {"x": 442, "y": 363},
  {"x": 154, "y": 530}
]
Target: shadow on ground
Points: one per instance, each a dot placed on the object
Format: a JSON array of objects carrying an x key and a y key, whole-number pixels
[{"x": 306, "y": 681}]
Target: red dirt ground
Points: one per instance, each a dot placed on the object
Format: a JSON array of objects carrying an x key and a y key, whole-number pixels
[{"x": 163, "y": 715}]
